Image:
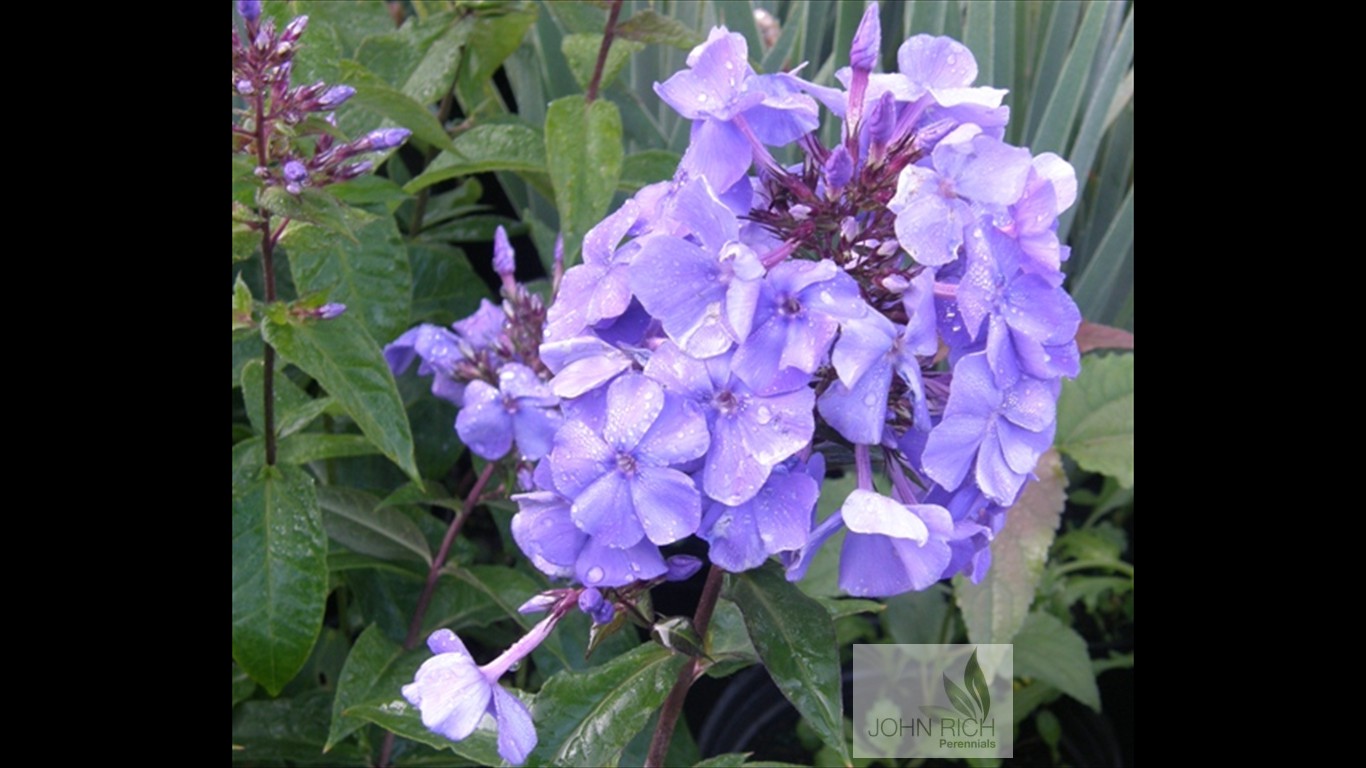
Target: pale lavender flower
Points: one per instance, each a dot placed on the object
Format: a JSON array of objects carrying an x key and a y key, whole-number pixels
[
  {"x": 621, "y": 478},
  {"x": 997, "y": 434},
  {"x": 453, "y": 693},
  {"x": 522, "y": 406}
]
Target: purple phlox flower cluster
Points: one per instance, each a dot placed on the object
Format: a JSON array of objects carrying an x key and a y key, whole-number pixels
[
  {"x": 897, "y": 296},
  {"x": 262, "y": 64}
]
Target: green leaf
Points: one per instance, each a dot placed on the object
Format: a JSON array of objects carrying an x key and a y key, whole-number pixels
[
  {"x": 850, "y": 607},
  {"x": 728, "y": 760},
  {"x": 370, "y": 190},
  {"x": 378, "y": 97},
  {"x": 1104, "y": 272},
  {"x": 369, "y": 273},
  {"x": 445, "y": 286},
  {"x": 647, "y": 167},
  {"x": 919, "y": 617},
  {"x": 493, "y": 38},
  {"x": 583, "y": 147},
  {"x": 995, "y": 609},
  {"x": 1051, "y": 651},
  {"x": 248, "y": 457},
  {"x": 581, "y": 51},
  {"x": 976, "y": 682},
  {"x": 313, "y": 206},
  {"x": 246, "y": 346},
  {"x": 651, "y": 27},
  {"x": 279, "y": 575},
  {"x": 484, "y": 148},
  {"x": 728, "y": 641},
  {"x": 397, "y": 715},
  {"x": 1061, "y": 112},
  {"x": 1096, "y": 417},
  {"x": 289, "y": 731},
  {"x": 352, "y": 519},
  {"x": 506, "y": 587},
  {"x": 435, "y": 73},
  {"x": 1113, "y": 91},
  {"x": 242, "y": 685},
  {"x": 587, "y": 718},
  {"x": 294, "y": 409},
  {"x": 375, "y": 669},
  {"x": 795, "y": 638},
  {"x": 306, "y": 447},
  {"x": 342, "y": 356},
  {"x": 245, "y": 241}
]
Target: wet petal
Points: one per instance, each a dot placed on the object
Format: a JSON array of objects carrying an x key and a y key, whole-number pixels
[
  {"x": 604, "y": 510},
  {"x": 667, "y": 504},
  {"x": 516, "y": 733}
]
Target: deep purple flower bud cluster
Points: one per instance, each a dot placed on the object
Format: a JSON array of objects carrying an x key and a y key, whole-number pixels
[
  {"x": 896, "y": 296},
  {"x": 262, "y": 63}
]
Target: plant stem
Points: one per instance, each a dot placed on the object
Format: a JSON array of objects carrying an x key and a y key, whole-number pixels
[
  {"x": 434, "y": 573},
  {"x": 606, "y": 46},
  {"x": 268, "y": 267},
  {"x": 673, "y": 706},
  {"x": 443, "y": 113}
]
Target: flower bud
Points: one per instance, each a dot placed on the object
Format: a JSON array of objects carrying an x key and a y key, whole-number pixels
[
  {"x": 590, "y": 599},
  {"x": 295, "y": 171},
  {"x": 384, "y": 138},
  {"x": 294, "y": 30},
  {"x": 682, "y": 567},
  {"x": 331, "y": 311},
  {"x": 504, "y": 258},
  {"x": 250, "y": 9},
  {"x": 867, "y": 42},
  {"x": 334, "y": 97}
]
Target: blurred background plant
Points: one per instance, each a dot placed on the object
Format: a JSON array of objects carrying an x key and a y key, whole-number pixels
[{"x": 377, "y": 526}]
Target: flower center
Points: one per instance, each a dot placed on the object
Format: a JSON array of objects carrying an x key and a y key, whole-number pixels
[
  {"x": 726, "y": 402},
  {"x": 626, "y": 463}
]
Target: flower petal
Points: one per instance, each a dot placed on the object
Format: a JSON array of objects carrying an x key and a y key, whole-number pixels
[
  {"x": 604, "y": 510},
  {"x": 516, "y": 733},
  {"x": 667, "y": 504}
]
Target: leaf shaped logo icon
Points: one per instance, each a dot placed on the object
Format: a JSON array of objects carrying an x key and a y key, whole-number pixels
[{"x": 976, "y": 683}]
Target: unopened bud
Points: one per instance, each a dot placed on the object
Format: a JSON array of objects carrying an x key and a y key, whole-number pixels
[
  {"x": 244, "y": 87},
  {"x": 335, "y": 96},
  {"x": 682, "y": 567},
  {"x": 295, "y": 171},
  {"x": 542, "y": 602},
  {"x": 867, "y": 43},
  {"x": 250, "y": 9},
  {"x": 294, "y": 30},
  {"x": 838, "y": 169},
  {"x": 355, "y": 169},
  {"x": 504, "y": 258},
  {"x": 590, "y": 599},
  {"x": 330, "y": 311},
  {"x": 384, "y": 138}
]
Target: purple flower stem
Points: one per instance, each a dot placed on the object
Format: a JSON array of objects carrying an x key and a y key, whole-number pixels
[
  {"x": 434, "y": 573},
  {"x": 268, "y": 266},
  {"x": 947, "y": 291},
  {"x": 900, "y": 484},
  {"x": 673, "y": 706},
  {"x": 863, "y": 463},
  {"x": 607, "y": 35}
]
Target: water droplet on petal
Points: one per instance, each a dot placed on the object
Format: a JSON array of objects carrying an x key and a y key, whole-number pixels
[
  {"x": 594, "y": 575},
  {"x": 702, "y": 97}
]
